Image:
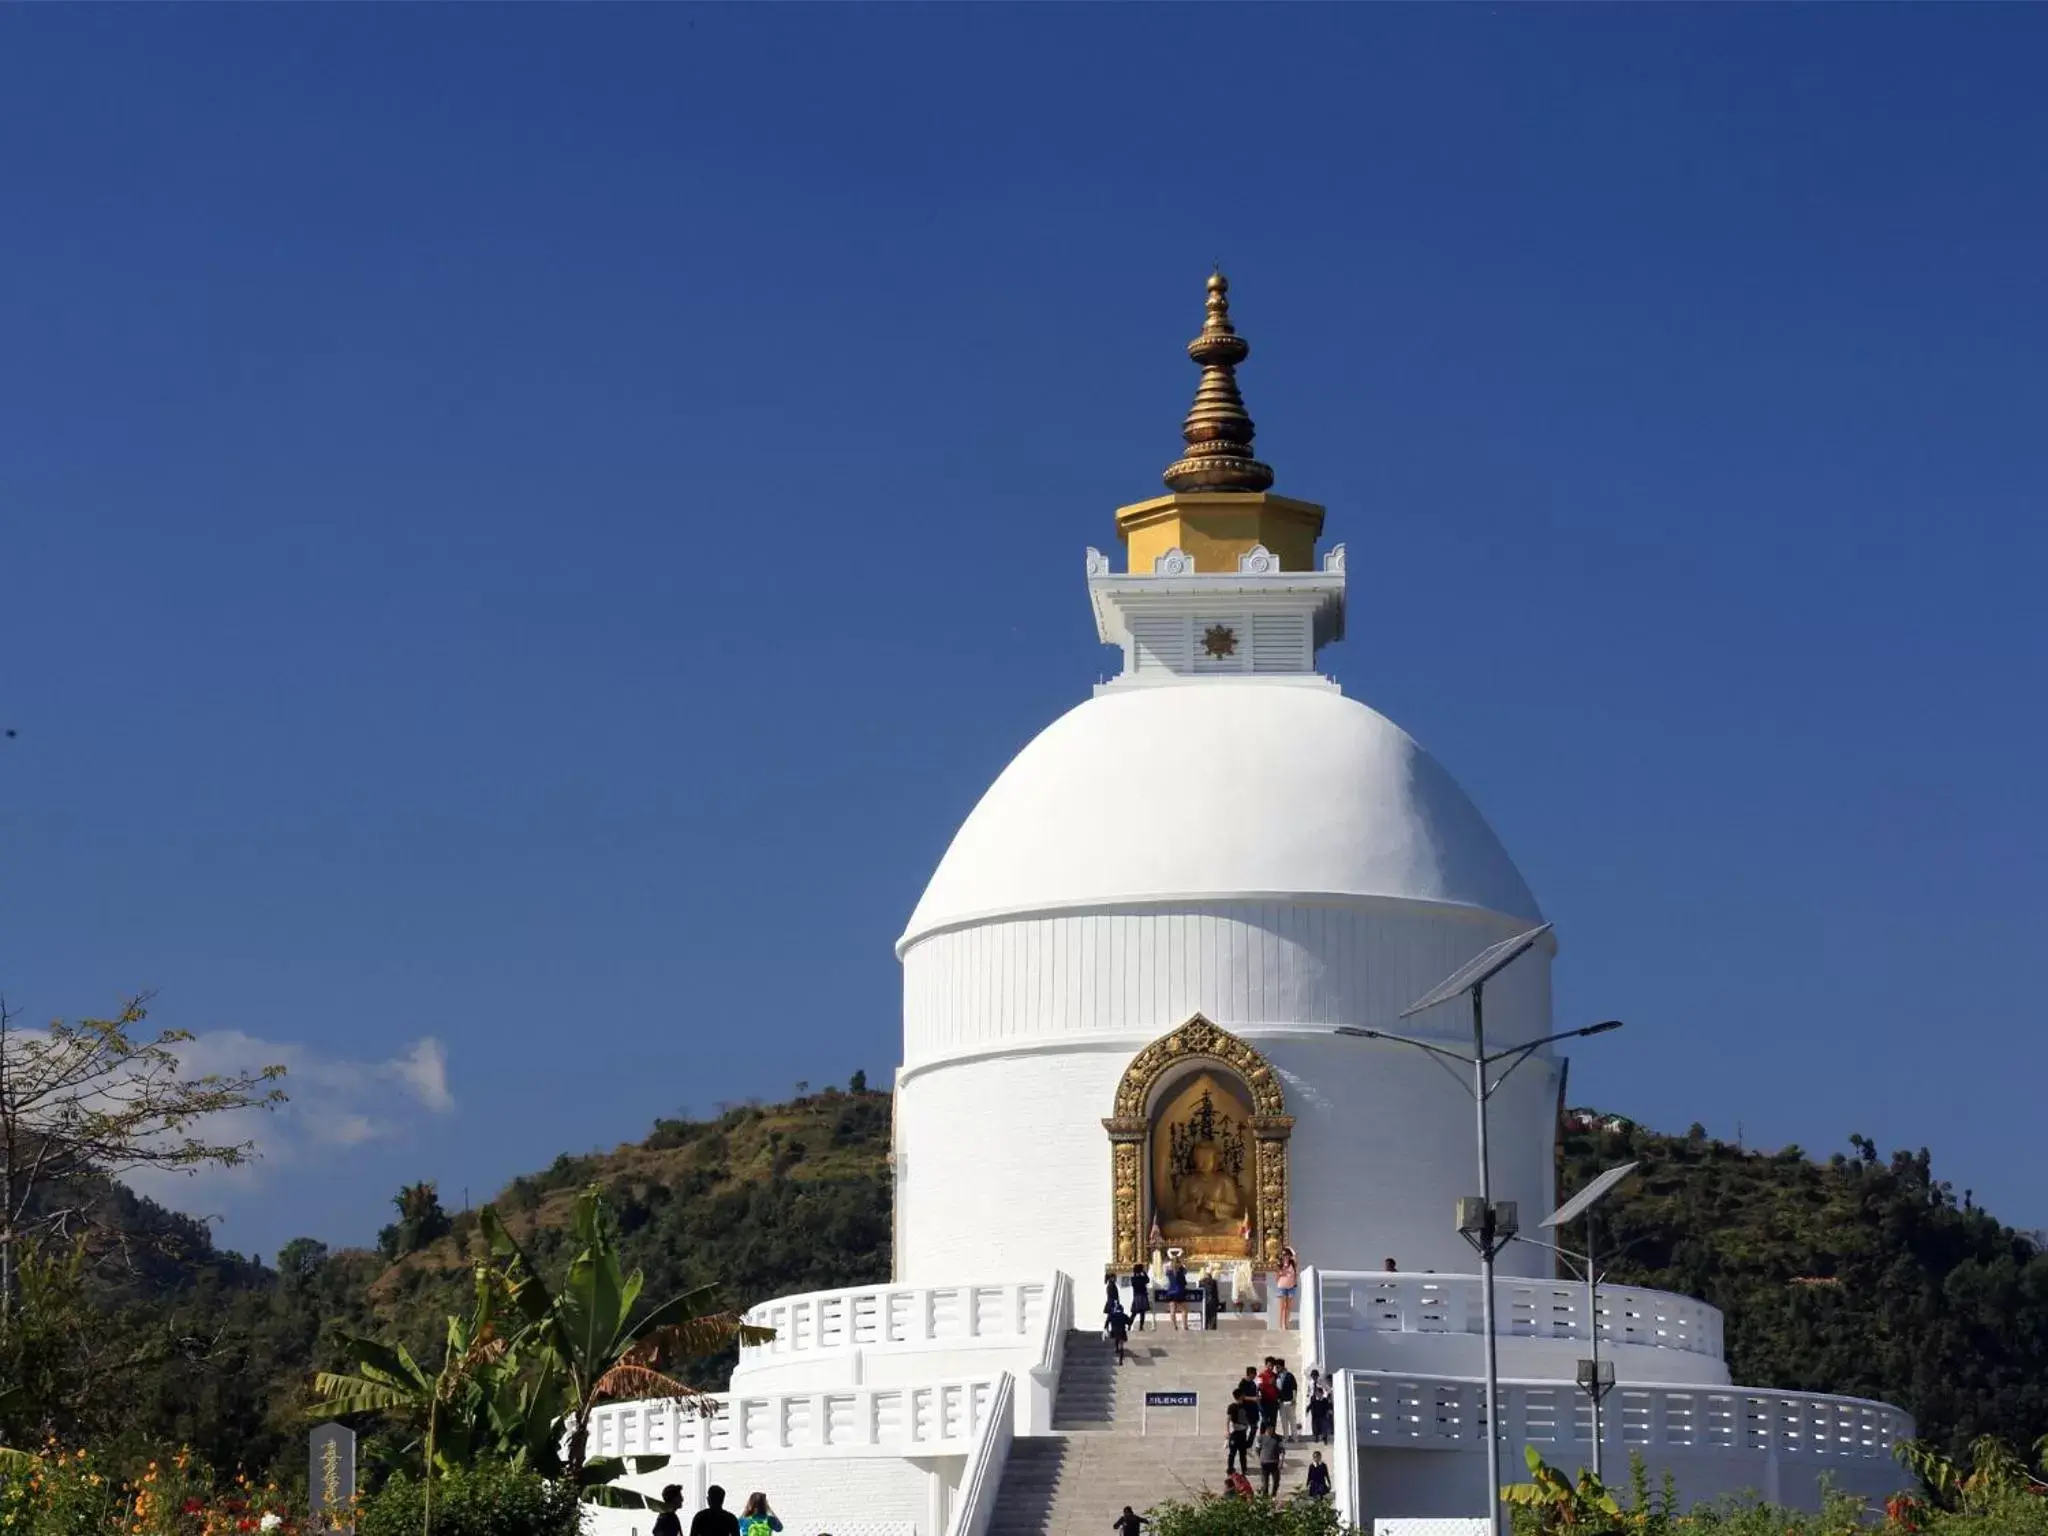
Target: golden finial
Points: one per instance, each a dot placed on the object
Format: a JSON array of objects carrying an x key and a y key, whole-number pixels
[{"x": 1218, "y": 432}]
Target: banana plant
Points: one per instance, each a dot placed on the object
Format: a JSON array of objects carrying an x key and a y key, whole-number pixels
[
  {"x": 591, "y": 1346},
  {"x": 1562, "y": 1507},
  {"x": 452, "y": 1405}
]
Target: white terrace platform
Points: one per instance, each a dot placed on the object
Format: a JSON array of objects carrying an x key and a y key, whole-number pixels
[{"x": 904, "y": 1400}]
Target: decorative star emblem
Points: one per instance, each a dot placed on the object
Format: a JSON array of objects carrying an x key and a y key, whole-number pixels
[{"x": 1220, "y": 641}]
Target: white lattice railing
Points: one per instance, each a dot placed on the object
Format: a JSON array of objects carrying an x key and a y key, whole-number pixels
[
  {"x": 870, "y": 1317},
  {"x": 937, "y": 1418},
  {"x": 1372, "y": 1302},
  {"x": 1424, "y": 1412}
]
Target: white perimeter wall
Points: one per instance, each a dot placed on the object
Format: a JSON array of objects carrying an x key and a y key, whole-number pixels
[
  {"x": 843, "y": 1494},
  {"x": 1003, "y": 1165},
  {"x": 1395, "y": 1483}
]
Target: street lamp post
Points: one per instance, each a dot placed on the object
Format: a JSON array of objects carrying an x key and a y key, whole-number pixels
[
  {"x": 1592, "y": 1379},
  {"x": 1489, "y": 1228}
]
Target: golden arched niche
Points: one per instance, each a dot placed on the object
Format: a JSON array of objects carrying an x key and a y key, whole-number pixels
[{"x": 1198, "y": 1144}]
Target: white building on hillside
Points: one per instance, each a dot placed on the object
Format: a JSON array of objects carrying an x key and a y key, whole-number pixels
[{"x": 1121, "y": 996}]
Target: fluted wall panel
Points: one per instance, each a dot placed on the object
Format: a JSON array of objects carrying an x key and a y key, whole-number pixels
[{"x": 1241, "y": 963}]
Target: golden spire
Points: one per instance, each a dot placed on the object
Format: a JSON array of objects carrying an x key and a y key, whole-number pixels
[{"x": 1218, "y": 432}]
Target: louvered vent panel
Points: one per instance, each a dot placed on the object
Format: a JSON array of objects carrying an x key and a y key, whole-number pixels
[
  {"x": 1160, "y": 644},
  {"x": 1280, "y": 643}
]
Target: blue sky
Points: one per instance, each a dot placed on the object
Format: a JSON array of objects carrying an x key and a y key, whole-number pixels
[{"x": 524, "y": 529}]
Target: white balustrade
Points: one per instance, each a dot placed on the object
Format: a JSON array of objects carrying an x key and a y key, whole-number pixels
[
  {"x": 1344, "y": 1480},
  {"x": 1315, "y": 1350},
  {"x": 937, "y": 1418},
  {"x": 870, "y": 1317},
  {"x": 981, "y": 1481},
  {"x": 1423, "y": 1413},
  {"x": 1537, "y": 1309}
]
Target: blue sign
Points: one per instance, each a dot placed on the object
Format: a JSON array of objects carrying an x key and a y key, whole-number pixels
[{"x": 1170, "y": 1399}]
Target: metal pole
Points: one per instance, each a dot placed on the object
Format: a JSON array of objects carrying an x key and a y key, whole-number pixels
[
  {"x": 1486, "y": 1266},
  {"x": 1593, "y": 1332}
]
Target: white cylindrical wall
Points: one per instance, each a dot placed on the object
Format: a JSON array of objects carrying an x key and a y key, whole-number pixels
[
  {"x": 1004, "y": 1167},
  {"x": 1018, "y": 1030},
  {"x": 1242, "y": 964}
]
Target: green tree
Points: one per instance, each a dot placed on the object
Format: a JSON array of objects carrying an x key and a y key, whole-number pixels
[
  {"x": 96, "y": 1099},
  {"x": 523, "y": 1372},
  {"x": 46, "y": 1356},
  {"x": 420, "y": 1221},
  {"x": 592, "y": 1346}
]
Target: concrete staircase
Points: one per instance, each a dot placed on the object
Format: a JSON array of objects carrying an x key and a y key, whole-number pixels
[{"x": 1078, "y": 1479}]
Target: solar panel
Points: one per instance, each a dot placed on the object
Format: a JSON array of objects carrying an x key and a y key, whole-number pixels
[
  {"x": 1479, "y": 968},
  {"x": 1586, "y": 1198}
]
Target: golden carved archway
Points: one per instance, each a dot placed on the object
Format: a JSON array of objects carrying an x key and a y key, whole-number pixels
[{"x": 1161, "y": 1065}]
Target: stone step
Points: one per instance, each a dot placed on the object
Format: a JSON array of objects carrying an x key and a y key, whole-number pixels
[{"x": 1078, "y": 1479}]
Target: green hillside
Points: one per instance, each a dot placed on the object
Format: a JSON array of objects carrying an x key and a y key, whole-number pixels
[
  {"x": 1860, "y": 1274},
  {"x": 1855, "y": 1275}
]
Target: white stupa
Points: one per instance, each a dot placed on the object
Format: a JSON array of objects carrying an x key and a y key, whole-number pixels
[{"x": 1124, "y": 989}]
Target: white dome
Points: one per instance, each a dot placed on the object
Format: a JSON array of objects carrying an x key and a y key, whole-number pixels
[{"x": 1219, "y": 790}]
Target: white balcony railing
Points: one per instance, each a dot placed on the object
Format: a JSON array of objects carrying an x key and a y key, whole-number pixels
[
  {"x": 936, "y": 1418},
  {"x": 981, "y": 1480},
  {"x": 1538, "y": 1309},
  {"x": 870, "y": 1317},
  {"x": 1422, "y": 1412}
]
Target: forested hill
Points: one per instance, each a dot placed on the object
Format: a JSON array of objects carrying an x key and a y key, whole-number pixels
[
  {"x": 1861, "y": 1274},
  {"x": 1855, "y": 1275}
]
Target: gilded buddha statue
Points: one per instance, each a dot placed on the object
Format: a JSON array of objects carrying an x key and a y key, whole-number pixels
[{"x": 1209, "y": 1202}]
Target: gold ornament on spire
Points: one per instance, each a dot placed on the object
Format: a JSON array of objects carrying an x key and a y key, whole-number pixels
[{"x": 1218, "y": 432}]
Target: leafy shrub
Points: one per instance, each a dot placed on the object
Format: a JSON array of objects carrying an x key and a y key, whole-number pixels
[
  {"x": 63, "y": 1492},
  {"x": 1211, "y": 1514},
  {"x": 60, "y": 1493},
  {"x": 489, "y": 1499}
]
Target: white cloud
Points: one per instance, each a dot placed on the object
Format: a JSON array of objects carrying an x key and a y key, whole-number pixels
[
  {"x": 332, "y": 1104},
  {"x": 424, "y": 1069}
]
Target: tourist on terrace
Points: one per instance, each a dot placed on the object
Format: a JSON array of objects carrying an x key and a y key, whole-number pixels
[
  {"x": 668, "y": 1523},
  {"x": 1322, "y": 1409},
  {"x": 1270, "y": 1454},
  {"x": 1141, "y": 1296},
  {"x": 714, "y": 1519},
  {"x": 1389, "y": 1267},
  {"x": 1318, "y": 1477},
  {"x": 757, "y": 1519},
  {"x": 1243, "y": 1418},
  {"x": 1287, "y": 1281},
  {"x": 1128, "y": 1524},
  {"x": 1283, "y": 1378},
  {"x": 1177, "y": 1288}
]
